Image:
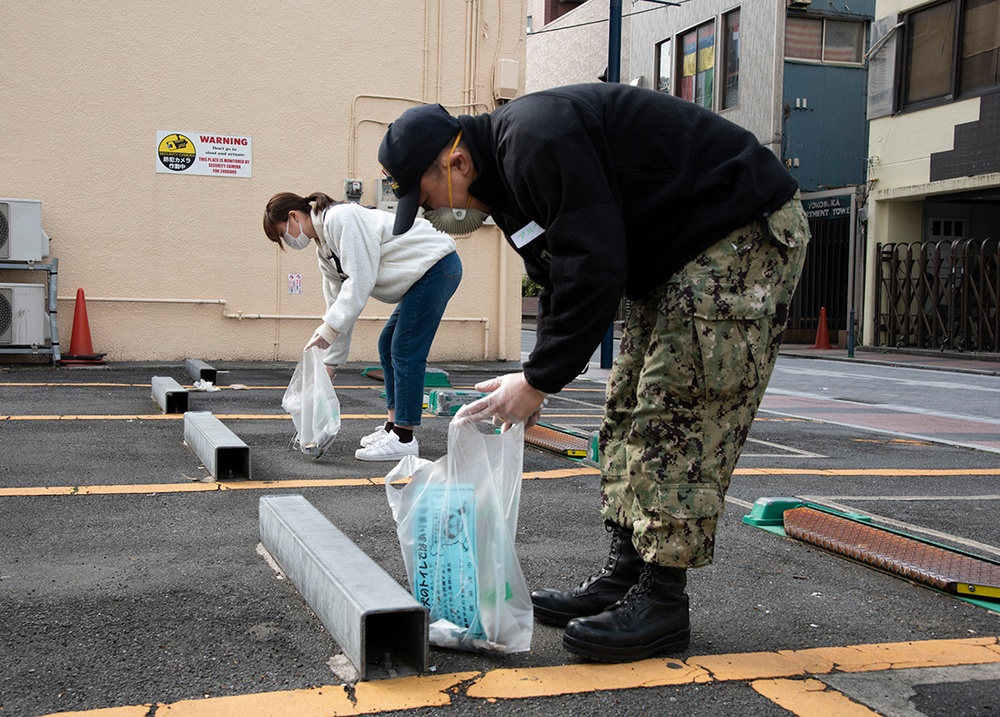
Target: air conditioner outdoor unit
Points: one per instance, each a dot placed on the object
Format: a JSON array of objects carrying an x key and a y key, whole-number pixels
[
  {"x": 22, "y": 315},
  {"x": 21, "y": 235}
]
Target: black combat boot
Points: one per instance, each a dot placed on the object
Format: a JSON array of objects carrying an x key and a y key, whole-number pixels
[
  {"x": 652, "y": 618},
  {"x": 593, "y": 595}
]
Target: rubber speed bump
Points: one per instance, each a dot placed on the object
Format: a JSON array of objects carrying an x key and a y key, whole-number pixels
[
  {"x": 947, "y": 570},
  {"x": 433, "y": 377},
  {"x": 558, "y": 439}
]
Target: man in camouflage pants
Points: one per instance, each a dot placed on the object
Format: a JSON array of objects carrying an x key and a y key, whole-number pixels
[
  {"x": 607, "y": 190},
  {"x": 695, "y": 360}
]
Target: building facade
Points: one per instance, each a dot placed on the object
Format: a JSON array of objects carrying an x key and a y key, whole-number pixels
[
  {"x": 934, "y": 176},
  {"x": 153, "y": 135},
  {"x": 794, "y": 74}
]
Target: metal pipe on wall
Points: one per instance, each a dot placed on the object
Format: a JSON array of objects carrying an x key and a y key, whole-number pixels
[{"x": 276, "y": 317}]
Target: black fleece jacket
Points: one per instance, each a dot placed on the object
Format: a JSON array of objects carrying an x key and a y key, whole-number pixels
[{"x": 628, "y": 185}]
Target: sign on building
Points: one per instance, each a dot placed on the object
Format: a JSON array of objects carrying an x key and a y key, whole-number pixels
[{"x": 203, "y": 153}]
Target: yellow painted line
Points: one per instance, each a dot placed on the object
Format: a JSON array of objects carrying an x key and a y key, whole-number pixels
[
  {"x": 899, "y": 655},
  {"x": 810, "y": 698},
  {"x": 16, "y": 384},
  {"x": 749, "y": 666},
  {"x": 546, "y": 416},
  {"x": 212, "y": 486},
  {"x": 178, "y": 417},
  {"x": 768, "y": 673},
  {"x": 192, "y": 487},
  {"x": 248, "y": 387},
  {"x": 331, "y": 701},
  {"x": 207, "y": 487},
  {"x": 233, "y": 387},
  {"x": 509, "y": 684},
  {"x": 894, "y": 441}
]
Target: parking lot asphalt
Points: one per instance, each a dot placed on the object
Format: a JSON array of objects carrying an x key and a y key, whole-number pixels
[{"x": 132, "y": 583}]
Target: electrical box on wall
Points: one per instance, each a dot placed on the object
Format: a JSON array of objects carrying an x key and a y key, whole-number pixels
[
  {"x": 22, "y": 314},
  {"x": 21, "y": 235},
  {"x": 353, "y": 189},
  {"x": 386, "y": 197},
  {"x": 506, "y": 79}
]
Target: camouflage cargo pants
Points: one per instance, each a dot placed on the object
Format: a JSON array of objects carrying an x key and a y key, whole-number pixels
[{"x": 695, "y": 358}]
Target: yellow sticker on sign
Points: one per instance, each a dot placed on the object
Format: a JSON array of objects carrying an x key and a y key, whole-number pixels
[{"x": 177, "y": 152}]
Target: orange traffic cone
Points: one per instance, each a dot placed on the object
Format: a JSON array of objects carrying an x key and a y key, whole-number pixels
[
  {"x": 822, "y": 337},
  {"x": 81, "y": 350}
]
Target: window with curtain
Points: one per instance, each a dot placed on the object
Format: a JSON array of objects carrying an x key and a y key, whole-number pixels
[
  {"x": 696, "y": 65},
  {"x": 826, "y": 40},
  {"x": 804, "y": 38},
  {"x": 952, "y": 50},
  {"x": 980, "y": 41},
  {"x": 731, "y": 59},
  {"x": 930, "y": 52}
]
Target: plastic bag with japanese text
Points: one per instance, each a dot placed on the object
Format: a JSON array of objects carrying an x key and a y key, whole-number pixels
[{"x": 456, "y": 520}]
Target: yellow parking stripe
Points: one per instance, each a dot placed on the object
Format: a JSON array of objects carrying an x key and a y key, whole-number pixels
[
  {"x": 810, "y": 698},
  {"x": 197, "y": 486},
  {"x": 767, "y": 672},
  {"x": 211, "y": 486},
  {"x": 581, "y": 678},
  {"x": 598, "y": 388},
  {"x": 178, "y": 417},
  {"x": 898, "y": 655}
]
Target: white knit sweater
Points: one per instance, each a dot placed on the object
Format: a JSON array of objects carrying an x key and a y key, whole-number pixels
[{"x": 374, "y": 264}]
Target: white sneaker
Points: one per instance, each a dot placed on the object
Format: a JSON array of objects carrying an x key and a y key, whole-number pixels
[
  {"x": 377, "y": 435},
  {"x": 388, "y": 449}
]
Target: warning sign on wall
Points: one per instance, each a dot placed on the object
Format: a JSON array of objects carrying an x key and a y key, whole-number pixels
[{"x": 217, "y": 155}]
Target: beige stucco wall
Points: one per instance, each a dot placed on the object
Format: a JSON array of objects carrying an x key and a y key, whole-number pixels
[{"x": 171, "y": 262}]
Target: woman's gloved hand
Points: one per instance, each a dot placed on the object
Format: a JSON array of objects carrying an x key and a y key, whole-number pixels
[
  {"x": 511, "y": 399},
  {"x": 317, "y": 341},
  {"x": 322, "y": 337}
]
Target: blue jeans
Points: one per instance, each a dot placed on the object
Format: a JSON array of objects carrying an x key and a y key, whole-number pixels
[{"x": 407, "y": 336}]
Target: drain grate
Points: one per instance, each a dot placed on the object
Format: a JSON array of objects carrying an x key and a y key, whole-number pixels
[
  {"x": 557, "y": 441},
  {"x": 946, "y": 570}
]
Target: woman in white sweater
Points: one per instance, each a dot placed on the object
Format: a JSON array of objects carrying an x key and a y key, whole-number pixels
[{"x": 360, "y": 258}]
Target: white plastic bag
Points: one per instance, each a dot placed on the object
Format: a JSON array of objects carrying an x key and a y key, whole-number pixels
[
  {"x": 456, "y": 520},
  {"x": 313, "y": 404}
]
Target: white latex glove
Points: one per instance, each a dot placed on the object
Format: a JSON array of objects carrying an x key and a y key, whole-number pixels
[
  {"x": 322, "y": 337},
  {"x": 511, "y": 399},
  {"x": 317, "y": 340}
]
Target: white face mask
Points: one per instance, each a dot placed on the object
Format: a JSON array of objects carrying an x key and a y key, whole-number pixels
[
  {"x": 297, "y": 242},
  {"x": 457, "y": 222}
]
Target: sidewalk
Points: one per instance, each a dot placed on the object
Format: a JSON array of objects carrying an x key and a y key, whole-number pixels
[{"x": 983, "y": 364}]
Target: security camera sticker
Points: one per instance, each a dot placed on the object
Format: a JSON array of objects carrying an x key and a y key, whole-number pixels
[
  {"x": 177, "y": 152},
  {"x": 209, "y": 154}
]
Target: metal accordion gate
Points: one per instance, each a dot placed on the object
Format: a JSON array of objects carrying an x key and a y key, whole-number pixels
[{"x": 939, "y": 295}]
